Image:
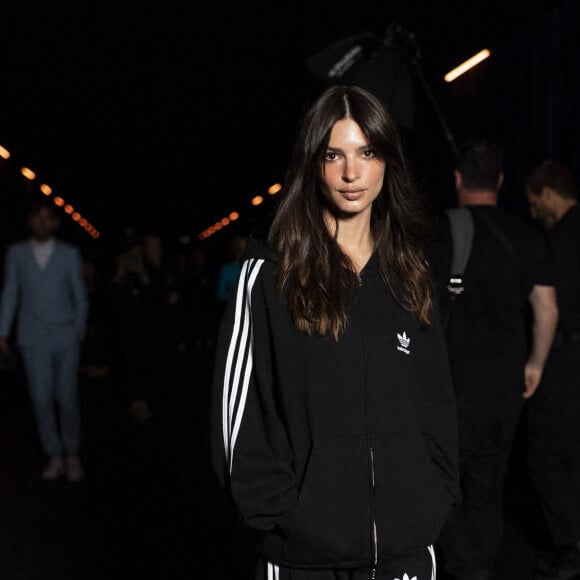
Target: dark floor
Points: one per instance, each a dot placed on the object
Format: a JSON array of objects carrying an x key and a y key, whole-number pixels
[{"x": 149, "y": 507}]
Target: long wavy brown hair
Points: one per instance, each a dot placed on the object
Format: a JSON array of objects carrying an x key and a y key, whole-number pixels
[{"x": 317, "y": 275}]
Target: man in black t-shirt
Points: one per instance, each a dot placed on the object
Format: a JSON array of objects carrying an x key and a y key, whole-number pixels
[
  {"x": 553, "y": 414},
  {"x": 494, "y": 368}
]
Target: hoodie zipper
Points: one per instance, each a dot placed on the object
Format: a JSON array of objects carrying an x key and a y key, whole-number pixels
[{"x": 373, "y": 569}]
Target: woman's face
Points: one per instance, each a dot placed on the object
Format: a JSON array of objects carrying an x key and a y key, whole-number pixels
[{"x": 352, "y": 173}]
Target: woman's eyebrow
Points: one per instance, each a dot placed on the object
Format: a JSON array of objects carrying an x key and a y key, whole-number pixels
[{"x": 340, "y": 149}]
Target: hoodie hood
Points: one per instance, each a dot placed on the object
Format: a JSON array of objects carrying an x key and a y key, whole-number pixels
[{"x": 258, "y": 248}]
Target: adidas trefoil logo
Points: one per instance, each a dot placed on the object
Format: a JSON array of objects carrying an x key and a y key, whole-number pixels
[
  {"x": 406, "y": 576},
  {"x": 403, "y": 343}
]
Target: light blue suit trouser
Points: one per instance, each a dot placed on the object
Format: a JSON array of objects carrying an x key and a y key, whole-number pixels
[{"x": 52, "y": 373}]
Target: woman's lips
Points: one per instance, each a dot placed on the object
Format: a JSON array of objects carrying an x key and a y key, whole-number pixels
[{"x": 352, "y": 194}]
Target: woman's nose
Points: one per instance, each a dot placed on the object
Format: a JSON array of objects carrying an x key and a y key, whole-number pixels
[{"x": 350, "y": 172}]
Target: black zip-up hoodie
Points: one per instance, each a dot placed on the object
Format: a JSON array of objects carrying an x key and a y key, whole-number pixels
[{"x": 336, "y": 454}]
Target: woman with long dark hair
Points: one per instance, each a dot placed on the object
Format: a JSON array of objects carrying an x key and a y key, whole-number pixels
[{"x": 333, "y": 417}]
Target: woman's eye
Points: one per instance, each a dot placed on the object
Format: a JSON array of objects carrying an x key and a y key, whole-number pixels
[
  {"x": 369, "y": 153},
  {"x": 330, "y": 156}
]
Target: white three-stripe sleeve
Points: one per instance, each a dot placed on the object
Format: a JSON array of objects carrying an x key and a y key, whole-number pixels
[
  {"x": 434, "y": 568},
  {"x": 239, "y": 358},
  {"x": 273, "y": 571}
]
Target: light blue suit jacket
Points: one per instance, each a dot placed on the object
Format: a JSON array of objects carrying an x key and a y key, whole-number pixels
[{"x": 47, "y": 304}]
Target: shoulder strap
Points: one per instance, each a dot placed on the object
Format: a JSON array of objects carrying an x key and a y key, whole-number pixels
[
  {"x": 461, "y": 222},
  {"x": 462, "y": 229}
]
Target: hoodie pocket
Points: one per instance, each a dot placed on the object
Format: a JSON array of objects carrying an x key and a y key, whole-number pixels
[
  {"x": 331, "y": 522},
  {"x": 412, "y": 502}
]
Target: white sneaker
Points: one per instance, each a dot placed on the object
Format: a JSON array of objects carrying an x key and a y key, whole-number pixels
[
  {"x": 74, "y": 468},
  {"x": 54, "y": 469}
]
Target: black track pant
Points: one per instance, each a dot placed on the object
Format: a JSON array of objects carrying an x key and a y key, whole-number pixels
[
  {"x": 419, "y": 564},
  {"x": 553, "y": 444}
]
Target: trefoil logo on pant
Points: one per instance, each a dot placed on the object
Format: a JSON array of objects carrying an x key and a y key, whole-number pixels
[{"x": 403, "y": 343}]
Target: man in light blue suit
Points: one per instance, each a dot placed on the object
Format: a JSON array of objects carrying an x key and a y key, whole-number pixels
[{"x": 44, "y": 293}]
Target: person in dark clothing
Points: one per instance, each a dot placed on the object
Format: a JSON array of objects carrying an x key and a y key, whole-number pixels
[
  {"x": 147, "y": 306},
  {"x": 97, "y": 348},
  {"x": 493, "y": 368},
  {"x": 333, "y": 419},
  {"x": 197, "y": 281},
  {"x": 230, "y": 270},
  {"x": 553, "y": 413}
]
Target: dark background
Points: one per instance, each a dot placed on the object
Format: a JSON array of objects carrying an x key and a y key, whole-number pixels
[
  {"x": 168, "y": 115},
  {"x": 172, "y": 114}
]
